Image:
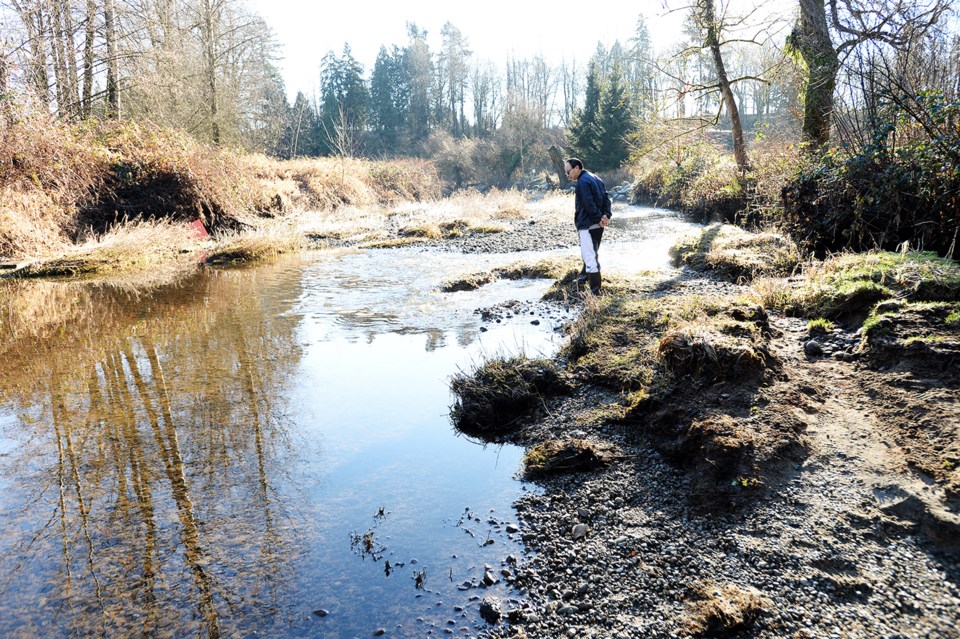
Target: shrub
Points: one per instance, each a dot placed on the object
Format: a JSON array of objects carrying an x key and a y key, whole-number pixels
[{"x": 887, "y": 193}]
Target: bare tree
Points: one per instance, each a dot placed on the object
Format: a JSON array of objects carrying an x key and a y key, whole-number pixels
[
  {"x": 708, "y": 21},
  {"x": 88, "y": 59},
  {"x": 892, "y": 22}
]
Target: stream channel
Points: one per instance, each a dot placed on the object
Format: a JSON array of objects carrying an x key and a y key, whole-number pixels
[{"x": 266, "y": 451}]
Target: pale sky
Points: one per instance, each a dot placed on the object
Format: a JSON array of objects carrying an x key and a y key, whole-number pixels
[{"x": 495, "y": 29}]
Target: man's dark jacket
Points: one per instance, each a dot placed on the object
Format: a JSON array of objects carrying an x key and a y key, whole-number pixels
[{"x": 588, "y": 201}]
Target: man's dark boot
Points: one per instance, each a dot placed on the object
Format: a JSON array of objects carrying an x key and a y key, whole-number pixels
[
  {"x": 594, "y": 282},
  {"x": 582, "y": 276}
]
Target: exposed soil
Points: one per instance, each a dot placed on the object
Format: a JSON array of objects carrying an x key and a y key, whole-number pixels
[{"x": 820, "y": 499}]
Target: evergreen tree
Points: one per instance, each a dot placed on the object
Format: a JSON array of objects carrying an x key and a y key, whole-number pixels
[
  {"x": 614, "y": 122},
  {"x": 301, "y": 138},
  {"x": 343, "y": 102},
  {"x": 457, "y": 68},
  {"x": 583, "y": 133},
  {"x": 640, "y": 71},
  {"x": 389, "y": 101},
  {"x": 418, "y": 72}
]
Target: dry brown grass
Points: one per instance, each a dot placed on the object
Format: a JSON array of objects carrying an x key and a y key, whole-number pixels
[
  {"x": 62, "y": 183},
  {"x": 261, "y": 242},
  {"x": 547, "y": 268},
  {"x": 325, "y": 184},
  {"x": 735, "y": 253},
  {"x": 136, "y": 246}
]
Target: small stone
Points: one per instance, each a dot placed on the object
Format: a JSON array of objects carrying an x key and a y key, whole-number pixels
[
  {"x": 321, "y": 612},
  {"x": 813, "y": 349},
  {"x": 379, "y": 632},
  {"x": 580, "y": 531},
  {"x": 512, "y": 528}
]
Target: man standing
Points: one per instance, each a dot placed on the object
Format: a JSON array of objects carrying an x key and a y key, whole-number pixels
[{"x": 589, "y": 218}]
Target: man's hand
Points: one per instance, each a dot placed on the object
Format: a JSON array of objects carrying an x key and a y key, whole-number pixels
[{"x": 604, "y": 221}]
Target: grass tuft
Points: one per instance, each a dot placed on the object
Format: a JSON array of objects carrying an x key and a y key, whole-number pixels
[
  {"x": 820, "y": 326},
  {"x": 500, "y": 392},
  {"x": 255, "y": 244},
  {"x": 136, "y": 246}
]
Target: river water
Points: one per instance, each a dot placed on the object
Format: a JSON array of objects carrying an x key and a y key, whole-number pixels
[{"x": 264, "y": 451}]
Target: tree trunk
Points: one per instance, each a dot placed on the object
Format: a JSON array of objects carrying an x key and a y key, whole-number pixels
[
  {"x": 113, "y": 64},
  {"x": 70, "y": 57},
  {"x": 823, "y": 64},
  {"x": 210, "y": 68},
  {"x": 557, "y": 159},
  {"x": 90, "y": 33},
  {"x": 59, "y": 58},
  {"x": 31, "y": 14},
  {"x": 713, "y": 42},
  {"x": 5, "y": 109}
]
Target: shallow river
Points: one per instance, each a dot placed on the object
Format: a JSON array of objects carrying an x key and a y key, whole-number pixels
[{"x": 266, "y": 450}]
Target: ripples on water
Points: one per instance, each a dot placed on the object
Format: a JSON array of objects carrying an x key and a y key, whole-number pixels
[{"x": 228, "y": 454}]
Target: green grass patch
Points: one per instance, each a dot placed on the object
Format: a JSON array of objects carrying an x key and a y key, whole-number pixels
[
  {"x": 820, "y": 326},
  {"x": 852, "y": 284}
]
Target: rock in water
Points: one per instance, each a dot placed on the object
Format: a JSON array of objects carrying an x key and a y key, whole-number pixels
[{"x": 490, "y": 609}]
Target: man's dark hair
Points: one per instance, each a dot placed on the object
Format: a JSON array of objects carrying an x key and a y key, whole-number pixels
[{"x": 575, "y": 163}]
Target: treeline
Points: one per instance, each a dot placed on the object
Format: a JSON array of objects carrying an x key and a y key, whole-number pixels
[
  {"x": 860, "y": 100},
  {"x": 209, "y": 67},
  {"x": 206, "y": 67}
]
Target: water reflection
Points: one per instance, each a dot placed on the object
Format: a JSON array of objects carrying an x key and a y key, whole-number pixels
[
  {"x": 196, "y": 459},
  {"x": 201, "y": 458},
  {"x": 138, "y": 471}
]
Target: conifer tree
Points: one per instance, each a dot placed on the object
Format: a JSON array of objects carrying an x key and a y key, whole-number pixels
[
  {"x": 582, "y": 135},
  {"x": 389, "y": 101},
  {"x": 418, "y": 71},
  {"x": 614, "y": 122},
  {"x": 343, "y": 99}
]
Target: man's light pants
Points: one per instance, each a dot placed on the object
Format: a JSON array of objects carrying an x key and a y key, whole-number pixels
[{"x": 589, "y": 246}]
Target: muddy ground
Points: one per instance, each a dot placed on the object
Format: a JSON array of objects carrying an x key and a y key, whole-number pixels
[{"x": 847, "y": 525}]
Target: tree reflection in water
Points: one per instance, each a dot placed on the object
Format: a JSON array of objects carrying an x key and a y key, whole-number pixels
[{"x": 144, "y": 435}]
